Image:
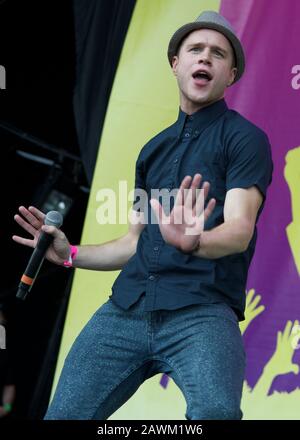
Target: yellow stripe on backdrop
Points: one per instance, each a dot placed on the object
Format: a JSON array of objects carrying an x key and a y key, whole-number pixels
[{"x": 144, "y": 100}]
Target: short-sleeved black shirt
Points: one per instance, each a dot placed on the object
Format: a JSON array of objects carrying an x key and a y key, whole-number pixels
[{"x": 229, "y": 152}]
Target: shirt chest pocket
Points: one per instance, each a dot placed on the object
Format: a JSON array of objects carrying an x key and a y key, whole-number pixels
[{"x": 210, "y": 165}]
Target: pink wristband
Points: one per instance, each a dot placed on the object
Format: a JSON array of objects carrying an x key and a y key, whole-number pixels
[{"x": 72, "y": 256}]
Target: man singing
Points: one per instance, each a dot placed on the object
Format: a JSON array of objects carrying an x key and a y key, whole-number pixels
[{"x": 176, "y": 304}]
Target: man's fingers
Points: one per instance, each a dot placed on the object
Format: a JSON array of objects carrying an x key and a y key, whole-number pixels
[
  {"x": 209, "y": 209},
  {"x": 39, "y": 214},
  {"x": 206, "y": 188},
  {"x": 52, "y": 230},
  {"x": 24, "y": 241},
  {"x": 34, "y": 218},
  {"x": 158, "y": 210},
  {"x": 27, "y": 226},
  {"x": 201, "y": 196},
  {"x": 192, "y": 192},
  {"x": 185, "y": 184},
  {"x": 187, "y": 193}
]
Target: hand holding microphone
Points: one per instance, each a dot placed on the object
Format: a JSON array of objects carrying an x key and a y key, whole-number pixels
[{"x": 48, "y": 241}]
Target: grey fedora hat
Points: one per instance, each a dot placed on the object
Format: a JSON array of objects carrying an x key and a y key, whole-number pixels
[{"x": 210, "y": 20}]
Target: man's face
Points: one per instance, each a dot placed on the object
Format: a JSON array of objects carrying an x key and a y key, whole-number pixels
[{"x": 204, "y": 69}]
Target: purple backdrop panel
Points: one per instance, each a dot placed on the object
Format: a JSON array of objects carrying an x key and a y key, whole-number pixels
[{"x": 270, "y": 33}]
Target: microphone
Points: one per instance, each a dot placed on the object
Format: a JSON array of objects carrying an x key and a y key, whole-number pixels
[{"x": 53, "y": 218}]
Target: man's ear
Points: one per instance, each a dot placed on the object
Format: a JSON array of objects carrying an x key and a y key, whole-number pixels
[
  {"x": 175, "y": 64},
  {"x": 233, "y": 75}
]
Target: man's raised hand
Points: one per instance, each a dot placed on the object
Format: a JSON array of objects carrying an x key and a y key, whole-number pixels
[{"x": 183, "y": 227}]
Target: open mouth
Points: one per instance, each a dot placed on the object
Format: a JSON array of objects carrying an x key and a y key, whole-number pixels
[{"x": 202, "y": 75}]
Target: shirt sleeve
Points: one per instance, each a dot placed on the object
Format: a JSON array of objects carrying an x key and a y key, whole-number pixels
[
  {"x": 250, "y": 162},
  {"x": 140, "y": 194}
]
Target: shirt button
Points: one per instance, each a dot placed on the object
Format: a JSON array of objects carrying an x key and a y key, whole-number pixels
[
  {"x": 191, "y": 118},
  {"x": 187, "y": 135},
  {"x": 156, "y": 248},
  {"x": 175, "y": 160},
  {"x": 152, "y": 277}
]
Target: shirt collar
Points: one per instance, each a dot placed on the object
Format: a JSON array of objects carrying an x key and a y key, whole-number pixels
[{"x": 201, "y": 118}]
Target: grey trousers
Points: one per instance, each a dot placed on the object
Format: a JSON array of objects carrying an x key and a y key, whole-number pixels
[{"x": 199, "y": 346}]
